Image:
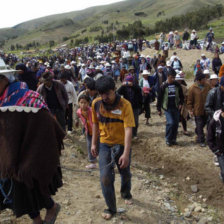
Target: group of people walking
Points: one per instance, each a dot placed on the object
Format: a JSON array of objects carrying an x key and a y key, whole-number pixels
[{"x": 37, "y": 108}]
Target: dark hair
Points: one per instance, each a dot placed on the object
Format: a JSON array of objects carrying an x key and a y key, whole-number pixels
[
  {"x": 84, "y": 97},
  {"x": 47, "y": 76},
  {"x": 104, "y": 84},
  {"x": 90, "y": 84},
  {"x": 171, "y": 72},
  {"x": 64, "y": 75}
]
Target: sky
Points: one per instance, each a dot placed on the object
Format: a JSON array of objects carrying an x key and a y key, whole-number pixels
[{"x": 15, "y": 12}]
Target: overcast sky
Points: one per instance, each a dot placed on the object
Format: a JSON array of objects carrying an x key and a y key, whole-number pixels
[{"x": 18, "y": 11}]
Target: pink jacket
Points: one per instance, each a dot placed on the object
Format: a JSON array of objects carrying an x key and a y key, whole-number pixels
[{"x": 83, "y": 120}]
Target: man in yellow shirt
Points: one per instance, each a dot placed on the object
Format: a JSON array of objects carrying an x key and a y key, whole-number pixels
[{"x": 113, "y": 119}]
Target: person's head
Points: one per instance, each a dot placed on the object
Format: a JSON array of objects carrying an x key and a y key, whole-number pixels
[
  {"x": 4, "y": 82},
  {"x": 131, "y": 69},
  {"x": 47, "y": 78},
  {"x": 214, "y": 80},
  {"x": 216, "y": 55},
  {"x": 21, "y": 67},
  {"x": 206, "y": 73},
  {"x": 90, "y": 86},
  {"x": 178, "y": 78},
  {"x": 63, "y": 77},
  {"x": 160, "y": 68},
  {"x": 83, "y": 101},
  {"x": 145, "y": 74},
  {"x": 129, "y": 78},
  {"x": 203, "y": 56},
  {"x": 171, "y": 77},
  {"x": 105, "y": 85},
  {"x": 200, "y": 78}
]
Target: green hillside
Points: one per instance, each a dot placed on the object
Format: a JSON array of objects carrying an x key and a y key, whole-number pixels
[{"x": 93, "y": 21}]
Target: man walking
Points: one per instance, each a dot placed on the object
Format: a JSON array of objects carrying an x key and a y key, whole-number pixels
[
  {"x": 171, "y": 99},
  {"x": 55, "y": 96},
  {"x": 113, "y": 119},
  {"x": 196, "y": 102}
]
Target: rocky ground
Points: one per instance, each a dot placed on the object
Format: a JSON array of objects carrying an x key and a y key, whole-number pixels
[{"x": 175, "y": 185}]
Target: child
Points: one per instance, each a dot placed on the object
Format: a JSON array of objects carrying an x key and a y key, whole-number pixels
[{"x": 85, "y": 115}]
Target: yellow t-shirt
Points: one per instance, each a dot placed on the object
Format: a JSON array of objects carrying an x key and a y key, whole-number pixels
[{"x": 112, "y": 123}]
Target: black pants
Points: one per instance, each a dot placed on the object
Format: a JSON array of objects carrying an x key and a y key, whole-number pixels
[
  {"x": 183, "y": 122},
  {"x": 136, "y": 115},
  {"x": 200, "y": 122},
  {"x": 49, "y": 204},
  {"x": 146, "y": 101},
  {"x": 209, "y": 45},
  {"x": 60, "y": 116},
  {"x": 68, "y": 116}
]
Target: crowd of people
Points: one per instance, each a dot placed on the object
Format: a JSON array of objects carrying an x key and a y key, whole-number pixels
[{"x": 105, "y": 87}]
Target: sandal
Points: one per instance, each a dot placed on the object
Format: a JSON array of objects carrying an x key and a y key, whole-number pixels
[
  {"x": 107, "y": 214},
  {"x": 52, "y": 221},
  {"x": 128, "y": 201}
]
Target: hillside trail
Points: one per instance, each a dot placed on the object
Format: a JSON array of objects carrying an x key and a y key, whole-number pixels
[{"x": 161, "y": 182}]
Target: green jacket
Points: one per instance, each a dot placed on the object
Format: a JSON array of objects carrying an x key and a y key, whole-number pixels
[{"x": 163, "y": 96}]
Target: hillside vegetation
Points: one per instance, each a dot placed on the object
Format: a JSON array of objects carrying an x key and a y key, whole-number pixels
[{"x": 97, "y": 21}]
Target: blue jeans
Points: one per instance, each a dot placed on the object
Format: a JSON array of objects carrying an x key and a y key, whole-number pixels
[
  {"x": 172, "y": 122},
  {"x": 107, "y": 176},
  {"x": 91, "y": 158},
  {"x": 221, "y": 165}
]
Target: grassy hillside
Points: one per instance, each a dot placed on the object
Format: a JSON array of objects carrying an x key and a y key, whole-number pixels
[{"x": 82, "y": 23}]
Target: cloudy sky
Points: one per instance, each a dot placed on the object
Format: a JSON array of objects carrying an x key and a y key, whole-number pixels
[{"x": 18, "y": 11}]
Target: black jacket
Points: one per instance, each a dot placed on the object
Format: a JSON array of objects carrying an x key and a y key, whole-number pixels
[
  {"x": 216, "y": 64},
  {"x": 215, "y": 134},
  {"x": 213, "y": 102},
  {"x": 133, "y": 94}
]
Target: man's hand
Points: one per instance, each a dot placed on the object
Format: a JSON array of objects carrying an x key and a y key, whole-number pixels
[
  {"x": 180, "y": 107},
  {"x": 94, "y": 151},
  {"x": 123, "y": 161},
  {"x": 160, "y": 113},
  {"x": 191, "y": 113}
]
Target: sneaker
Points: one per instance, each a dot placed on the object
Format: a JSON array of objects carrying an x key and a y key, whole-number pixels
[
  {"x": 168, "y": 144},
  {"x": 174, "y": 143},
  {"x": 69, "y": 132},
  {"x": 202, "y": 144},
  {"x": 91, "y": 166},
  {"x": 215, "y": 161}
]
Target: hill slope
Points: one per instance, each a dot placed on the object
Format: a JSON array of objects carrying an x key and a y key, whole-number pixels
[{"x": 56, "y": 27}]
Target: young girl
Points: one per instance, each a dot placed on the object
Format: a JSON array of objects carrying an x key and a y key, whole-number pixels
[{"x": 85, "y": 115}]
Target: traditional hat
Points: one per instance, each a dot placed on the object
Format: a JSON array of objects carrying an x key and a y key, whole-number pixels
[
  {"x": 214, "y": 76},
  {"x": 206, "y": 72},
  {"x": 178, "y": 77},
  {"x": 146, "y": 72}
]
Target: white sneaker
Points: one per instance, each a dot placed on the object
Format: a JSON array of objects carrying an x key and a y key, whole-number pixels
[
  {"x": 216, "y": 161},
  {"x": 69, "y": 132},
  {"x": 91, "y": 166}
]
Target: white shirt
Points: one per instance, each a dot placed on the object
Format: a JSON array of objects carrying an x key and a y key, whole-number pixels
[
  {"x": 72, "y": 96},
  {"x": 193, "y": 36},
  {"x": 146, "y": 83},
  {"x": 205, "y": 62}
]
